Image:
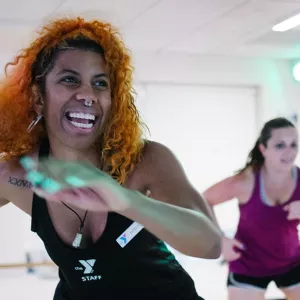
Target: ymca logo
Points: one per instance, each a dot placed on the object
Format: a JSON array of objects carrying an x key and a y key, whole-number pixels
[
  {"x": 129, "y": 234},
  {"x": 88, "y": 269},
  {"x": 123, "y": 239},
  {"x": 88, "y": 264}
]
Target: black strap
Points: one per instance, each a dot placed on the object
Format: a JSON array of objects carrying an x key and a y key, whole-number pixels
[
  {"x": 39, "y": 205},
  {"x": 44, "y": 148}
]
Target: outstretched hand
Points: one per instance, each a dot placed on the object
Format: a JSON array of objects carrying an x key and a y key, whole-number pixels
[
  {"x": 232, "y": 249},
  {"x": 77, "y": 183},
  {"x": 293, "y": 210}
]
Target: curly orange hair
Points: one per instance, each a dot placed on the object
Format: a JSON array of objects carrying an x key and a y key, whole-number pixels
[{"x": 122, "y": 140}]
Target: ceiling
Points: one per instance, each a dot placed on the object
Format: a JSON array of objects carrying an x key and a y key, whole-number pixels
[{"x": 202, "y": 27}]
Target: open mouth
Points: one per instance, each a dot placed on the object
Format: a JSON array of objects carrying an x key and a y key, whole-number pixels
[
  {"x": 81, "y": 120},
  {"x": 286, "y": 161}
]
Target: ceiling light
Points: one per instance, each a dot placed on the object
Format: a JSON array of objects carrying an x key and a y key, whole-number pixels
[
  {"x": 296, "y": 71},
  {"x": 287, "y": 24}
]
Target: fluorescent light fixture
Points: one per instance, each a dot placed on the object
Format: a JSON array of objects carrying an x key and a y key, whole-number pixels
[
  {"x": 287, "y": 24},
  {"x": 296, "y": 71}
]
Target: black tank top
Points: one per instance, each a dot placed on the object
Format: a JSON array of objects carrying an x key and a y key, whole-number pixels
[{"x": 113, "y": 268}]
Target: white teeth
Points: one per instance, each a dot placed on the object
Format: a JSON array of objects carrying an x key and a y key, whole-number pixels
[
  {"x": 82, "y": 116},
  {"x": 81, "y": 125}
]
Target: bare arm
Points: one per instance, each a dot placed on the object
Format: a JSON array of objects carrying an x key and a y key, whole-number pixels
[
  {"x": 3, "y": 202},
  {"x": 180, "y": 216},
  {"x": 222, "y": 191},
  {"x": 238, "y": 186},
  {"x": 174, "y": 213},
  {"x": 3, "y": 172}
]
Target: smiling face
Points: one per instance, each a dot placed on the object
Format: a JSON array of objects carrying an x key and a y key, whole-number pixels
[
  {"x": 281, "y": 148},
  {"x": 77, "y": 76}
]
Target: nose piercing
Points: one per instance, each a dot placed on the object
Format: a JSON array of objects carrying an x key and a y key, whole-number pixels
[{"x": 88, "y": 103}]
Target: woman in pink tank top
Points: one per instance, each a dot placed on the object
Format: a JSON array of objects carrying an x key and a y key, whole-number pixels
[{"x": 266, "y": 245}]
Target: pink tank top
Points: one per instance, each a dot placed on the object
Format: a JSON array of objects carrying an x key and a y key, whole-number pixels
[{"x": 271, "y": 241}]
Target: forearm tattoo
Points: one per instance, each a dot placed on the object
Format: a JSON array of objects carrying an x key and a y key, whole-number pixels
[{"x": 19, "y": 182}]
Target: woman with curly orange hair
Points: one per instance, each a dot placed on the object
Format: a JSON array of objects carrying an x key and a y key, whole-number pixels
[{"x": 86, "y": 174}]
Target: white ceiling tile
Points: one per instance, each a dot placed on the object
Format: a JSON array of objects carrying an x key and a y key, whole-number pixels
[
  {"x": 271, "y": 38},
  {"x": 172, "y": 20},
  {"x": 285, "y": 1},
  {"x": 118, "y": 12},
  {"x": 15, "y": 38},
  {"x": 29, "y": 10},
  {"x": 109, "y": 5},
  {"x": 210, "y": 27},
  {"x": 265, "y": 51},
  {"x": 236, "y": 27}
]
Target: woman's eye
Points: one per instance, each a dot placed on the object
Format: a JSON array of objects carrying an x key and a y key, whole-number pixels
[
  {"x": 294, "y": 145},
  {"x": 101, "y": 84},
  {"x": 69, "y": 80},
  {"x": 280, "y": 146}
]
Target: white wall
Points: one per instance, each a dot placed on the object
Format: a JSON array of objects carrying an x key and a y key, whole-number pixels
[
  {"x": 279, "y": 93},
  {"x": 210, "y": 129}
]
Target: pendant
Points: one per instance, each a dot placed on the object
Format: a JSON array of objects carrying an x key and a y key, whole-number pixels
[{"x": 77, "y": 240}]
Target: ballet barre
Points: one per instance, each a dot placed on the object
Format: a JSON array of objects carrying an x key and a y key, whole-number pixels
[{"x": 27, "y": 265}]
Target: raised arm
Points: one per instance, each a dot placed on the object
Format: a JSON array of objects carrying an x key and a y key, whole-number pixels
[
  {"x": 238, "y": 186},
  {"x": 175, "y": 213},
  {"x": 223, "y": 191},
  {"x": 178, "y": 214}
]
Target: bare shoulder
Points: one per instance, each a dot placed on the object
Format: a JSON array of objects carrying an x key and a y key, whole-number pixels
[
  {"x": 157, "y": 163},
  {"x": 14, "y": 187},
  {"x": 158, "y": 158},
  {"x": 238, "y": 186},
  {"x": 244, "y": 185}
]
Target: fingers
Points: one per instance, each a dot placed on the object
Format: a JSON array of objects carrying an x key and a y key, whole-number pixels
[
  {"x": 238, "y": 244},
  {"x": 234, "y": 256},
  {"x": 38, "y": 179},
  {"x": 286, "y": 207},
  {"x": 53, "y": 176},
  {"x": 293, "y": 213},
  {"x": 54, "y": 169},
  {"x": 28, "y": 163},
  {"x": 43, "y": 194},
  {"x": 68, "y": 167},
  {"x": 77, "y": 174},
  {"x": 292, "y": 216}
]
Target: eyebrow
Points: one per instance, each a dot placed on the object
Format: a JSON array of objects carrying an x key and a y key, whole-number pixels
[
  {"x": 281, "y": 141},
  {"x": 76, "y": 73}
]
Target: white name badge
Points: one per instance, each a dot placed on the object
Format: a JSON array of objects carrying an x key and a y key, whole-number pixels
[{"x": 129, "y": 234}]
